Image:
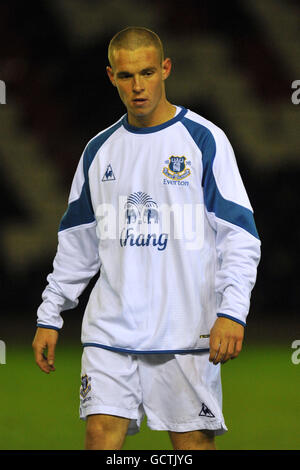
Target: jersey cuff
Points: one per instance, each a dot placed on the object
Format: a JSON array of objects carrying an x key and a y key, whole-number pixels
[
  {"x": 231, "y": 318},
  {"x": 49, "y": 327}
]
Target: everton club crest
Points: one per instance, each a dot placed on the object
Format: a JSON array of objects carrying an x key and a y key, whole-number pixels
[
  {"x": 85, "y": 386},
  {"x": 176, "y": 169}
]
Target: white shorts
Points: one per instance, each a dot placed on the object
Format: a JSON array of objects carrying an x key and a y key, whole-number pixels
[{"x": 177, "y": 392}]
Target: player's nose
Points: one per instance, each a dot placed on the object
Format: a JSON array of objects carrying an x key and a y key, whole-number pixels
[{"x": 137, "y": 84}]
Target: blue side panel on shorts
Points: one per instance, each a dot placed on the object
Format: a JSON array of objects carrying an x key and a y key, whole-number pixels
[
  {"x": 81, "y": 211},
  {"x": 222, "y": 208}
]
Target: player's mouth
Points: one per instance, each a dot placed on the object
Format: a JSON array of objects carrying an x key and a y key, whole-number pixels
[{"x": 139, "y": 101}]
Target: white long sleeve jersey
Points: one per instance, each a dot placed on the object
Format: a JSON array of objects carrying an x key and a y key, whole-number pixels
[{"x": 162, "y": 212}]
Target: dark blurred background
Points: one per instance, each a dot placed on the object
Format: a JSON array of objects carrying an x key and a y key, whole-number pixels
[{"x": 233, "y": 62}]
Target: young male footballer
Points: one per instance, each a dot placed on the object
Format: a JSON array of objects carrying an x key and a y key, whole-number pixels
[{"x": 157, "y": 205}]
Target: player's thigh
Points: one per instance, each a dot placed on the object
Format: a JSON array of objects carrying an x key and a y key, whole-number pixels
[
  {"x": 106, "y": 431},
  {"x": 103, "y": 423},
  {"x": 197, "y": 440}
]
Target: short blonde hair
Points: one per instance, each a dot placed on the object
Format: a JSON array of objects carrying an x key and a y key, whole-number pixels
[{"x": 132, "y": 38}]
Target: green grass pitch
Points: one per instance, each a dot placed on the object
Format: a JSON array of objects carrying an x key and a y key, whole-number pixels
[{"x": 40, "y": 412}]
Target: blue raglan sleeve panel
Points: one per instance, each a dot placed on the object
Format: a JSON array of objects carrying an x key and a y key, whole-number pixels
[
  {"x": 231, "y": 216},
  {"x": 237, "y": 240},
  {"x": 77, "y": 258},
  {"x": 79, "y": 211}
]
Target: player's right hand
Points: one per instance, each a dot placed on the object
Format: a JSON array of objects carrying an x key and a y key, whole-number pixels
[{"x": 44, "y": 343}]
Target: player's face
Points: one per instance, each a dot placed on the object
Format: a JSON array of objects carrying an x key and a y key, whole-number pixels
[{"x": 139, "y": 77}]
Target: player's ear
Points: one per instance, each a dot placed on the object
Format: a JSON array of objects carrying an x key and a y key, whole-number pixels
[
  {"x": 110, "y": 74},
  {"x": 166, "y": 68}
]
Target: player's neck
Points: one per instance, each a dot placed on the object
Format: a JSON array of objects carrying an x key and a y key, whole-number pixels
[{"x": 163, "y": 113}]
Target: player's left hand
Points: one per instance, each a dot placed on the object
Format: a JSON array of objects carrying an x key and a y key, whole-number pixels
[{"x": 226, "y": 339}]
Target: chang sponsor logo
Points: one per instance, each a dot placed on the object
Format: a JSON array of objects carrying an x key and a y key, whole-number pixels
[
  {"x": 141, "y": 223},
  {"x": 129, "y": 238}
]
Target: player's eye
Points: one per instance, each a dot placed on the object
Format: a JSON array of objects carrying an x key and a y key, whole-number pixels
[{"x": 124, "y": 76}]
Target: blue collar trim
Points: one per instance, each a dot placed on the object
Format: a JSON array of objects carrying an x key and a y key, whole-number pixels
[{"x": 149, "y": 130}]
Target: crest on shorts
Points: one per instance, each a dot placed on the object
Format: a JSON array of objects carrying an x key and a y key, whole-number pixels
[
  {"x": 176, "y": 169},
  {"x": 85, "y": 385}
]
